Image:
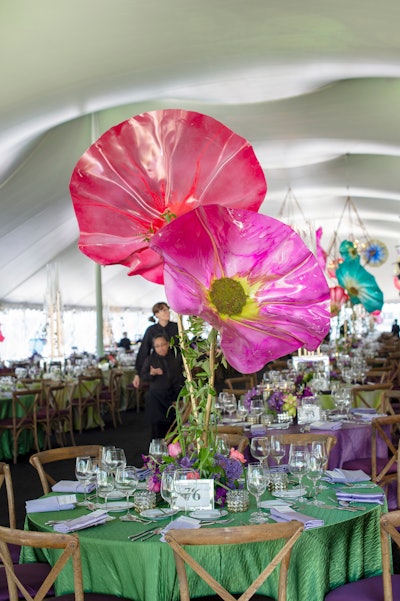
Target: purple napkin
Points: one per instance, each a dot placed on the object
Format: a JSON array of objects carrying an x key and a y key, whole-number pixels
[
  {"x": 361, "y": 497},
  {"x": 287, "y": 515}
]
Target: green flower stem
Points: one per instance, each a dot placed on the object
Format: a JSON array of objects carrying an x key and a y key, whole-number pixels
[
  {"x": 188, "y": 372},
  {"x": 206, "y": 432}
]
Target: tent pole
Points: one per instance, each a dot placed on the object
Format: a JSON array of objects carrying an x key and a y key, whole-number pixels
[{"x": 99, "y": 312}]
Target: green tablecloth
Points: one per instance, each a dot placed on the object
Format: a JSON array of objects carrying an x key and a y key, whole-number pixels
[{"x": 346, "y": 548}]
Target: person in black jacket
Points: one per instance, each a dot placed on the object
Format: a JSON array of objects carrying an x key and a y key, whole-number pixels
[
  {"x": 163, "y": 372},
  {"x": 164, "y": 327}
]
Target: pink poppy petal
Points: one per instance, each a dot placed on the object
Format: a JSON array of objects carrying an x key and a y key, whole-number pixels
[
  {"x": 288, "y": 290},
  {"x": 150, "y": 168}
]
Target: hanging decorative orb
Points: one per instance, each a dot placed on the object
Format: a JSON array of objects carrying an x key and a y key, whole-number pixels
[{"x": 375, "y": 253}]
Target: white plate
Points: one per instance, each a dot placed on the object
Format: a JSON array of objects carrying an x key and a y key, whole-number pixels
[
  {"x": 115, "y": 494},
  {"x": 117, "y": 506},
  {"x": 269, "y": 504},
  {"x": 289, "y": 494},
  {"x": 208, "y": 514},
  {"x": 158, "y": 514},
  {"x": 281, "y": 426}
]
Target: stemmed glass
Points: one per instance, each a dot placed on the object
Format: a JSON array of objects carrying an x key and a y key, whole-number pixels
[
  {"x": 83, "y": 473},
  {"x": 260, "y": 449},
  {"x": 158, "y": 448},
  {"x": 256, "y": 407},
  {"x": 167, "y": 487},
  {"x": 126, "y": 481},
  {"x": 185, "y": 484},
  {"x": 256, "y": 485},
  {"x": 277, "y": 450},
  {"x": 242, "y": 410},
  {"x": 314, "y": 473},
  {"x": 318, "y": 448},
  {"x": 221, "y": 445},
  {"x": 104, "y": 483},
  {"x": 230, "y": 404},
  {"x": 298, "y": 462},
  {"x": 114, "y": 458}
]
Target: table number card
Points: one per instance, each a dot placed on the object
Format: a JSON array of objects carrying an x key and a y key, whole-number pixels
[{"x": 201, "y": 496}]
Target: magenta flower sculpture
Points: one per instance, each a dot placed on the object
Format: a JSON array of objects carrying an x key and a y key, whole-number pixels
[
  {"x": 146, "y": 171},
  {"x": 249, "y": 276},
  {"x": 360, "y": 285}
]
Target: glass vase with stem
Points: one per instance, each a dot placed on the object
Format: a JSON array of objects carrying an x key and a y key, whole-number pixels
[
  {"x": 256, "y": 482},
  {"x": 126, "y": 481},
  {"x": 278, "y": 448},
  {"x": 314, "y": 473},
  {"x": 260, "y": 449},
  {"x": 83, "y": 473},
  {"x": 298, "y": 463},
  {"x": 105, "y": 483},
  {"x": 185, "y": 484}
]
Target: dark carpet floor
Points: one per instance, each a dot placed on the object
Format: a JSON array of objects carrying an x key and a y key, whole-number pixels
[{"x": 133, "y": 436}]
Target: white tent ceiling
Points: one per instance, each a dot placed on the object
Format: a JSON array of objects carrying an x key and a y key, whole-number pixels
[{"x": 314, "y": 86}]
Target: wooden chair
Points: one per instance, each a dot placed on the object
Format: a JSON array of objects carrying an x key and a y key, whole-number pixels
[
  {"x": 223, "y": 429},
  {"x": 23, "y": 418},
  {"x": 67, "y": 548},
  {"x": 288, "y": 532},
  {"x": 308, "y": 438},
  {"x": 242, "y": 382},
  {"x": 236, "y": 441},
  {"x": 110, "y": 398},
  {"x": 385, "y": 587},
  {"x": 383, "y": 470},
  {"x": 38, "y": 460},
  {"x": 58, "y": 399},
  {"x": 5, "y": 478},
  {"x": 379, "y": 392},
  {"x": 88, "y": 396}
]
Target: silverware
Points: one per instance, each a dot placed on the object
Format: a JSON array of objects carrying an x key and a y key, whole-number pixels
[
  {"x": 212, "y": 522},
  {"x": 139, "y": 535}
]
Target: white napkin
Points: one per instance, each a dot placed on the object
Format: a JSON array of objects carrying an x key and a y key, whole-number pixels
[
  {"x": 85, "y": 521},
  {"x": 287, "y": 514},
  {"x": 55, "y": 503},
  {"x": 359, "y": 497},
  {"x": 72, "y": 486},
  {"x": 340, "y": 476},
  {"x": 325, "y": 425},
  {"x": 366, "y": 416},
  {"x": 181, "y": 523}
]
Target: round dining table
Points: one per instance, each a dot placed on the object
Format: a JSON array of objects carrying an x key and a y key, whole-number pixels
[{"x": 345, "y": 548}]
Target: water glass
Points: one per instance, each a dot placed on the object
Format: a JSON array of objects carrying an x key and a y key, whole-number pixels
[
  {"x": 256, "y": 485},
  {"x": 105, "y": 483},
  {"x": 126, "y": 481},
  {"x": 83, "y": 473}
]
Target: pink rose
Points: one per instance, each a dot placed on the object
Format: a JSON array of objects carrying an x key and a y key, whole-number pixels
[
  {"x": 235, "y": 454},
  {"x": 194, "y": 476},
  {"x": 153, "y": 484},
  {"x": 174, "y": 449}
]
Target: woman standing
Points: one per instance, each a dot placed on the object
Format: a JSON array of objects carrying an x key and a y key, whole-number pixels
[{"x": 164, "y": 327}]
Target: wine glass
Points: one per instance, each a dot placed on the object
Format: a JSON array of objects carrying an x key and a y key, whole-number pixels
[
  {"x": 314, "y": 473},
  {"x": 318, "y": 447},
  {"x": 167, "y": 487},
  {"x": 230, "y": 404},
  {"x": 256, "y": 407},
  {"x": 104, "y": 483},
  {"x": 298, "y": 462},
  {"x": 185, "y": 484},
  {"x": 158, "y": 448},
  {"x": 260, "y": 449},
  {"x": 256, "y": 485},
  {"x": 277, "y": 450},
  {"x": 83, "y": 473},
  {"x": 221, "y": 445},
  {"x": 242, "y": 410},
  {"x": 126, "y": 481},
  {"x": 114, "y": 458}
]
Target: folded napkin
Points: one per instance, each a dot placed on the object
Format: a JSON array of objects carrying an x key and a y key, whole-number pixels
[
  {"x": 366, "y": 416},
  {"x": 360, "y": 497},
  {"x": 143, "y": 473},
  {"x": 85, "y": 521},
  {"x": 286, "y": 514},
  {"x": 55, "y": 503},
  {"x": 181, "y": 523},
  {"x": 258, "y": 430},
  {"x": 72, "y": 486},
  {"x": 325, "y": 425},
  {"x": 345, "y": 476}
]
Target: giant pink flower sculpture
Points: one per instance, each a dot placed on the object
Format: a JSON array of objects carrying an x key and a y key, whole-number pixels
[
  {"x": 249, "y": 276},
  {"x": 151, "y": 168}
]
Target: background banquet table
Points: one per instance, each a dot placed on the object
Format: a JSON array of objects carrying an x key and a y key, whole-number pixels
[{"x": 322, "y": 558}]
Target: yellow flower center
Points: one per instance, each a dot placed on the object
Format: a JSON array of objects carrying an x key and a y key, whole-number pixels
[
  {"x": 353, "y": 291},
  {"x": 228, "y": 296}
]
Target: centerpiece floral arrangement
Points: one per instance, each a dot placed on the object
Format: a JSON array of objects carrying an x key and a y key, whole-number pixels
[{"x": 175, "y": 195}]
